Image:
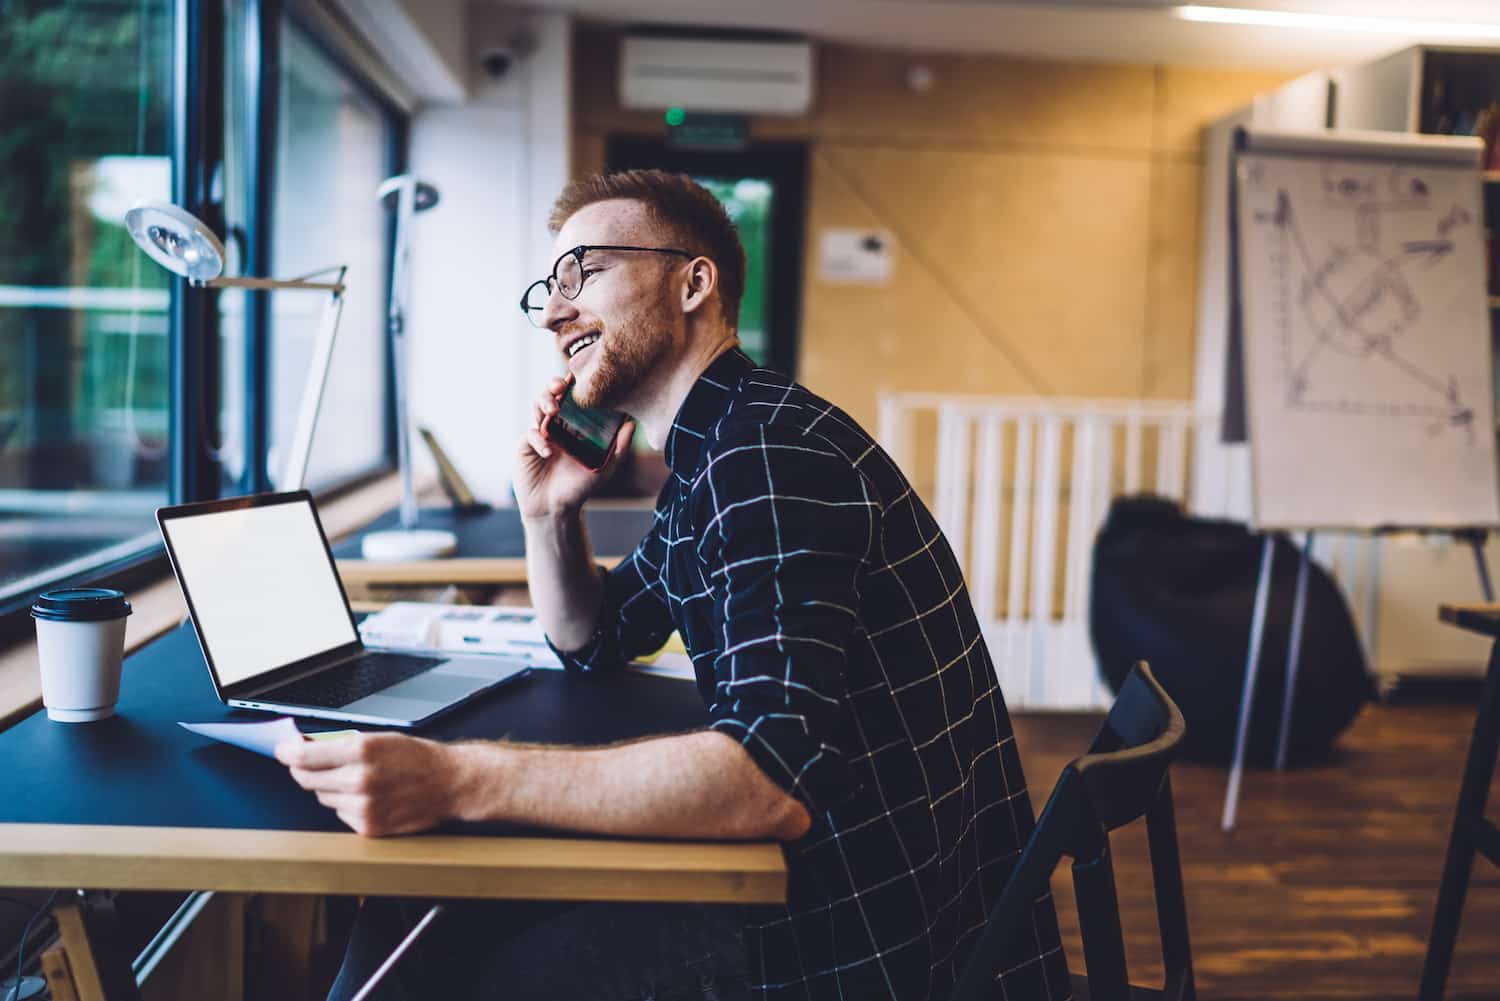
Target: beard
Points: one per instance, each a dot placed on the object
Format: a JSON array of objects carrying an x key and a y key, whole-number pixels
[{"x": 624, "y": 357}]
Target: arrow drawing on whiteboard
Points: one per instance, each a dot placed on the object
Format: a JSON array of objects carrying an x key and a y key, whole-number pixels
[
  {"x": 1435, "y": 250},
  {"x": 1351, "y": 302}
]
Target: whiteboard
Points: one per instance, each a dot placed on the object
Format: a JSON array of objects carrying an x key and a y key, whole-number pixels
[{"x": 1359, "y": 278}]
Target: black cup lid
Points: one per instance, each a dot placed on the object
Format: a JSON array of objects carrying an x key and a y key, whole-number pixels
[{"x": 81, "y": 604}]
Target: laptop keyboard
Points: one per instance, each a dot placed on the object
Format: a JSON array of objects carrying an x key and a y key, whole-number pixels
[{"x": 349, "y": 682}]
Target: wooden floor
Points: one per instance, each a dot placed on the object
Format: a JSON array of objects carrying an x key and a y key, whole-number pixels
[{"x": 1327, "y": 887}]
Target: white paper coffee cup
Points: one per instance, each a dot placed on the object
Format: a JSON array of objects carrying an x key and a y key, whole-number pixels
[{"x": 80, "y": 640}]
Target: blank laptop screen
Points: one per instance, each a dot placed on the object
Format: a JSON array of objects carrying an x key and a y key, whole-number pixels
[{"x": 263, "y": 590}]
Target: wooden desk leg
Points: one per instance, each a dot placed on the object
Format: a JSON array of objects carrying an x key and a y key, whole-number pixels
[
  {"x": 198, "y": 953},
  {"x": 287, "y": 931},
  {"x": 1469, "y": 814},
  {"x": 59, "y": 976},
  {"x": 101, "y": 971}
]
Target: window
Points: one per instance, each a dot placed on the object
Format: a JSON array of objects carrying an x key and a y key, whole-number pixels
[
  {"x": 85, "y": 112},
  {"x": 333, "y": 148},
  {"x": 89, "y": 325}
]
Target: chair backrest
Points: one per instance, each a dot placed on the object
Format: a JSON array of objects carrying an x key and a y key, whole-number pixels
[
  {"x": 1123, "y": 776},
  {"x": 1127, "y": 761}
]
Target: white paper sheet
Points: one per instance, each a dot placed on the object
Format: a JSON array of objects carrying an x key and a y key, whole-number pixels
[
  {"x": 261, "y": 738},
  {"x": 668, "y": 664}
]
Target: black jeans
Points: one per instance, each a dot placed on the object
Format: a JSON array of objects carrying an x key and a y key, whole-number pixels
[{"x": 539, "y": 951}]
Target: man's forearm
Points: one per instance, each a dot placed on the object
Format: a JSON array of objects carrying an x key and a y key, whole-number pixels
[
  {"x": 565, "y": 584},
  {"x": 696, "y": 785}
]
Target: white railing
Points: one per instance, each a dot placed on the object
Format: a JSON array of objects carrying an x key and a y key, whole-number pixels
[{"x": 1012, "y": 480}]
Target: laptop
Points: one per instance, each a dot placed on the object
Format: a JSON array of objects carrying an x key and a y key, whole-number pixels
[{"x": 276, "y": 628}]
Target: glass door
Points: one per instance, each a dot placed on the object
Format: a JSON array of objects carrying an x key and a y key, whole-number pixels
[{"x": 763, "y": 188}]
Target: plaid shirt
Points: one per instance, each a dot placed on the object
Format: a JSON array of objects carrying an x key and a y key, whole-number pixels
[{"x": 833, "y": 637}]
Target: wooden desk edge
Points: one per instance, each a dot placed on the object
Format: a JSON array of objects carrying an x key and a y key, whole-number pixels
[
  {"x": 259, "y": 861},
  {"x": 1476, "y": 618},
  {"x": 499, "y": 570}
]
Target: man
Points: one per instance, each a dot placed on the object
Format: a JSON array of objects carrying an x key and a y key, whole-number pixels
[{"x": 852, "y": 708}]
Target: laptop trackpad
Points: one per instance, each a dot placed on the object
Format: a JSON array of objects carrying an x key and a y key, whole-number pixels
[
  {"x": 416, "y": 697},
  {"x": 488, "y": 668}
]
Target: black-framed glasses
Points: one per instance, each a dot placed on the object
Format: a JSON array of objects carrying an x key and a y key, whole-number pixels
[{"x": 569, "y": 274}]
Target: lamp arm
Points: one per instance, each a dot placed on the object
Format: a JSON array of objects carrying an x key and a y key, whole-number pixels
[
  {"x": 340, "y": 268},
  {"x": 312, "y": 392},
  {"x": 396, "y": 325},
  {"x": 277, "y": 284}
]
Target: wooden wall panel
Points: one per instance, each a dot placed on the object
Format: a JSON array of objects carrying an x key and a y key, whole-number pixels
[
  {"x": 588, "y": 153},
  {"x": 1172, "y": 275},
  {"x": 979, "y": 303},
  {"x": 977, "y": 99},
  {"x": 1190, "y": 98}
]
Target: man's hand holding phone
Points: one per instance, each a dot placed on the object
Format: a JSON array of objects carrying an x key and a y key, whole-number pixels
[{"x": 566, "y": 452}]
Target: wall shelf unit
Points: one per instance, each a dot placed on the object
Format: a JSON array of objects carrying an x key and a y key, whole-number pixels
[{"x": 1433, "y": 90}]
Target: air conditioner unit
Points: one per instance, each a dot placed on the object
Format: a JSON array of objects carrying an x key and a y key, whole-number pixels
[{"x": 748, "y": 77}]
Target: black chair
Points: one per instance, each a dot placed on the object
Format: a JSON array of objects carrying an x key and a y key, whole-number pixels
[
  {"x": 1472, "y": 833},
  {"x": 1122, "y": 777}
]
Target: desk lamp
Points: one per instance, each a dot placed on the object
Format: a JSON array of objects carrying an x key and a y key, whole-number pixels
[
  {"x": 407, "y": 196},
  {"x": 184, "y": 245}
]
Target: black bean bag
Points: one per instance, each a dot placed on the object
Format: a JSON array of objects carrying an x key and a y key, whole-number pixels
[{"x": 1179, "y": 592}]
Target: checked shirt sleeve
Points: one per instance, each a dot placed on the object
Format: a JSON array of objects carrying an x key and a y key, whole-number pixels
[
  {"x": 634, "y": 617},
  {"x": 784, "y": 525}
]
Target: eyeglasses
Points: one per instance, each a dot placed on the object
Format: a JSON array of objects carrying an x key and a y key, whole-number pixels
[{"x": 569, "y": 274}]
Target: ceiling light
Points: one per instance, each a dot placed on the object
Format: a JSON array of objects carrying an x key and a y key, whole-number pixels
[{"x": 1338, "y": 22}]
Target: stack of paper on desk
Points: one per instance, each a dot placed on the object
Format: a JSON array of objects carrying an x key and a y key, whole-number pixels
[
  {"x": 509, "y": 630},
  {"x": 413, "y": 625}
]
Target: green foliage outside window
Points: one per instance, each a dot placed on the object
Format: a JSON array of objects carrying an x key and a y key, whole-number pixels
[
  {"x": 748, "y": 202},
  {"x": 81, "y": 84}
]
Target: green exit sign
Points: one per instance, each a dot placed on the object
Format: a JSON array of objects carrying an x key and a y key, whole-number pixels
[{"x": 699, "y": 131}]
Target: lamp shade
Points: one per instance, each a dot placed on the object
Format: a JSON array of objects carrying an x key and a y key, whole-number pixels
[{"x": 177, "y": 240}]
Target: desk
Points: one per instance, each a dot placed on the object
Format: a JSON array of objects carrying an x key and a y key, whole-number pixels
[
  {"x": 1482, "y": 619},
  {"x": 491, "y": 546},
  {"x": 136, "y": 802}
]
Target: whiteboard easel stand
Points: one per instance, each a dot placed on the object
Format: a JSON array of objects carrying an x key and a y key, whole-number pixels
[
  {"x": 1475, "y": 537},
  {"x": 1293, "y": 654},
  {"x": 1349, "y": 144},
  {"x": 1247, "y": 693}
]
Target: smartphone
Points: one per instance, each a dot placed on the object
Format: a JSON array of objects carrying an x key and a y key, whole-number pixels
[{"x": 586, "y": 435}]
